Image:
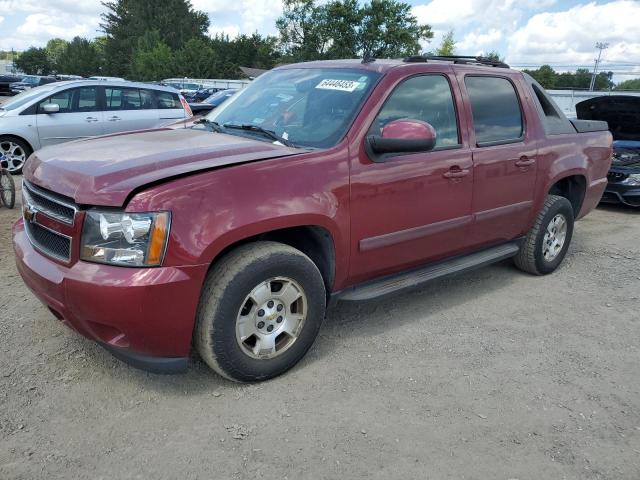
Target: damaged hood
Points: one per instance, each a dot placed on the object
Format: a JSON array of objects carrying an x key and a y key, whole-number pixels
[
  {"x": 621, "y": 112},
  {"x": 105, "y": 170}
]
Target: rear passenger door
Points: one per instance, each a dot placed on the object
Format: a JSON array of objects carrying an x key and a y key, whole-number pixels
[
  {"x": 504, "y": 157},
  {"x": 128, "y": 108},
  {"x": 79, "y": 116}
]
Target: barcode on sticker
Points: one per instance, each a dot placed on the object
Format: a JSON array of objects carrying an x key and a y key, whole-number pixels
[{"x": 341, "y": 85}]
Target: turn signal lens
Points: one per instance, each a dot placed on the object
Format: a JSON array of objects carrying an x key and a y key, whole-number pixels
[{"x": 158, "y": 240}]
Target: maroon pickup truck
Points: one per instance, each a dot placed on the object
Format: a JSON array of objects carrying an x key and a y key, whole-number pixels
[{"x": 320, "y": 181}]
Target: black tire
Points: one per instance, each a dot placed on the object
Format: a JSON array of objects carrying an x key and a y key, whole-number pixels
[
  {"x": 7, "y": 190},
  {"x": 23, "y": 145},
  {"x": 531, "y": 258},
  {"x": 227, "y": 286}
]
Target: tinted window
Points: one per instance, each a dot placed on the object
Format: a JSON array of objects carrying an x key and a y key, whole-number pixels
[
  {"x": 86, "y": 99},
  {"x": 496, "y": 110},
  {"x": 167, "y": 100},
  {"x": 120, "y": 98},
  {"x": 427, "y": 98},
  {"x": 63, "y": 99}
]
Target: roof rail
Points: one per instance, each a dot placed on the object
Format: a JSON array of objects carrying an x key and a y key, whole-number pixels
[{"x": 459, "y": 59}]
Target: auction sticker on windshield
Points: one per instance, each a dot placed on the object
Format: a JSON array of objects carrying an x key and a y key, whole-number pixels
[{"x": 341, "y": 85}]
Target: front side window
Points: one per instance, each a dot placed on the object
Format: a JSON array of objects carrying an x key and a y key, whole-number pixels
[
  {"x": 308, "y": 107},
  {"x": 63, "y": 99},
  {"x": 427, "y": 98},
  {"x": 497, "y": 117},
  {"x": 87, "y": 100}
]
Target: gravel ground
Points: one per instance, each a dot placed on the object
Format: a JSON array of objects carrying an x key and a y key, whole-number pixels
[{"x": 490, "y": 375}]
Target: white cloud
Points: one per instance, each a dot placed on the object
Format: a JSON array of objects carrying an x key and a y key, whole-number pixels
[
  {"x": 243, "y": 16},
  {"x": 478, "y": 43},
  {"x": 570, "y": 36}
]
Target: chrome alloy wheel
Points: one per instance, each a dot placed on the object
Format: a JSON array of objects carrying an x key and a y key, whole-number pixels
[
  {"x": 14, "y": 156},
  {"x": 554, "y": 237},
  {"x": 271, "y": 318}
]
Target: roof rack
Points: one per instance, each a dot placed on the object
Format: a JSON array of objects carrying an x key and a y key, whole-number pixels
[{"x": 459, "y": 59}]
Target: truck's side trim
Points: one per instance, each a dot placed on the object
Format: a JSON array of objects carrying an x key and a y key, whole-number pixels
[
  {"x": 393, "y": 283},
  {"x": 506, "y": 209},
  {"x": 400, "y": 236}
]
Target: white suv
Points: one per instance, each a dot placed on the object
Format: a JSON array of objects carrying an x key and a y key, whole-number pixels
[{"x": 64, "y": 111}]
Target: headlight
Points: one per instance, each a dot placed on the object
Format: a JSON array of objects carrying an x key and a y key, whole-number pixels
[
  {"x": 129, "y": 239},
  {"x": 633, "y": 179}
]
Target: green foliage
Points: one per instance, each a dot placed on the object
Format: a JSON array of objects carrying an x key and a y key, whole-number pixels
[
  {"x": 152, "y": 59},
  {"x": 580, "y": 79},
  {"x": 196, "y": 59},
  {"x": 346, "y": 29},
  {"x": 34, "y": 61},
  {"x": 55, "y": 51},
  {"x": 447, "y": 46},
  {"x": 494, "y": 56},
  {"x": 126, "y": 21},
  {"x": 633, "y": 84},
  {"x": 80, "y": 57}
]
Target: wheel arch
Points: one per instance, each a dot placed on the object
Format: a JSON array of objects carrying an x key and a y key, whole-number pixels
[
  {"x": 573, "y": 187},
  {"x": 21, "y": 138}
]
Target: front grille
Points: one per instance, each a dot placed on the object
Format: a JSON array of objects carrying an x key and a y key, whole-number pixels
[
  {"x": 616, "y": 177},
  {"x": 49, "y": 203},
  {"x": 48, "y": 242}
]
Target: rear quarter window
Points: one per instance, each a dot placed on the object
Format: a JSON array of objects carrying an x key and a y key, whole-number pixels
[
  {"x": 497, "y": 116},
  {"x": 167, "y": 100}
]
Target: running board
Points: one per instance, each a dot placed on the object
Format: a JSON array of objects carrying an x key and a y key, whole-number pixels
[{"x": 413, "y": 278}]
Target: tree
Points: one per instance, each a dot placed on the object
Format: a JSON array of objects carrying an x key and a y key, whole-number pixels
[
  {"x": 346, "y": 29},
  {"x": 545, "y": 76},
  {"x": 80, "y": 57},
  {"x": 126, "y": 21},
  {"x": 55, "y": 51},
  {"x": 447, "y": 46},
  {"x": 196, "y": 59},
  {"x": 152, "y": 58},
  {"x": 633, "y": 84},
  {"x": 34, "y": 61},
  {"x": 494, "y": 56}
]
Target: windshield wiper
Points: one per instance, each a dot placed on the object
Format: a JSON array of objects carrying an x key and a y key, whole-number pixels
[
  {"x": 255, "y": 128},
  {"x": 213, "y": 126}
]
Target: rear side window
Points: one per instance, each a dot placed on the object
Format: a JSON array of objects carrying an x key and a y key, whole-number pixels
[
  {"x": 167, "y": 100},
  {"x": 497, "y": 117},
  {"x": 86, "y": 99},
  {"x": 121, "y": 98},
  {"x": 427, "y": 98}
]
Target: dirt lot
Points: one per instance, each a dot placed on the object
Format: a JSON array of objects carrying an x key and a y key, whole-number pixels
[{"x": 490, "y": 375}]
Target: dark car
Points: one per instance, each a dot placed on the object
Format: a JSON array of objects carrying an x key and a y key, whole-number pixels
[
  {"x": 5, "y": 83},
  {"x": 212, "y": 102},
  {"x": 201, "y": 95},
  {"x": 30, "y": 81},
  {"x": 622, "y": 112}
]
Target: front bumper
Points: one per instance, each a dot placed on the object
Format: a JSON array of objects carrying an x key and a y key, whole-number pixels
[
  {"x": 144, "y": 316},
  {"x": 621, "y": 193}
]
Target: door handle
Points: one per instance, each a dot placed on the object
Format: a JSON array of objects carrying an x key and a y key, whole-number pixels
[
  {"x": 456, "y": 172},
  {"x": 114, "y": 119},
  {"x": 525, "y": 161},
  {"x": 91, "y": 119}
]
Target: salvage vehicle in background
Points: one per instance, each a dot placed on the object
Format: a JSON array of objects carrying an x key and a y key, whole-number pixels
[
  {"x": 65, "y": 111},
  {"x": 212, "y": 102},
  {"x": 622, "y": 113},
  {"x": 30, "y": 81},
  {"x": 333, "y": 180},
  {"x": 5, "y": 83},
  {"x": 201, "y": 94}
]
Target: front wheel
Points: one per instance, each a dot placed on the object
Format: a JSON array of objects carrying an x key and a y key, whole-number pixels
[
  {"x": 548, "y": 240},
  {"x": 7, "y": 190},
  {"x": 260, "y": 311}
]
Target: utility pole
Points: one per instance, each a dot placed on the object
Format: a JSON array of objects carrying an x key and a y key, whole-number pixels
[{"x": 600, "y": 46}]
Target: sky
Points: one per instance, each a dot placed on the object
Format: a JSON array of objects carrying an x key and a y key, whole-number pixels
[{"x": 526, "y": 32}]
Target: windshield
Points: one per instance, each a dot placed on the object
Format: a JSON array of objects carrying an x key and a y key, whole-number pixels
[
  {"x": 309, "y": 107},
  {"x": 30, "y": 80},
  {"x": 26, "y": 96}
]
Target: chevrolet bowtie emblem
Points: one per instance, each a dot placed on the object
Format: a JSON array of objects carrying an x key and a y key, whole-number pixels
[{"x": 29, "y": 213}]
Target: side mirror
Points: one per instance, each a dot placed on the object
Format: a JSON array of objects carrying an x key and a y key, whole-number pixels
[
  {"x": 403, "y": 136},
  {"x": 51, "y": 108}
]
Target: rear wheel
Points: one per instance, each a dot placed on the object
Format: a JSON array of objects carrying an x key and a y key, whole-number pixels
[
  {"x": 260, "y": 311},
  {"x": 548, "y": 240}
]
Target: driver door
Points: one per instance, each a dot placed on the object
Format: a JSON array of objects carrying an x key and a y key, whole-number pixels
[
  {"x": 409, "y": 209},
  {"x": 79, "y": 116}
]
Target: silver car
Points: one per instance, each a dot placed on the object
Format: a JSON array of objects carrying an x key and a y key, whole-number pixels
[{"x": 64, "y": 111}]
